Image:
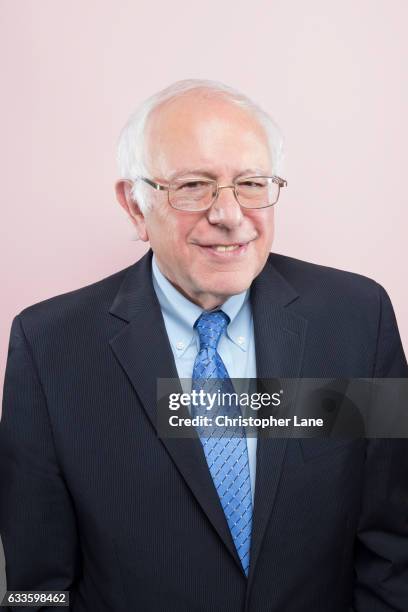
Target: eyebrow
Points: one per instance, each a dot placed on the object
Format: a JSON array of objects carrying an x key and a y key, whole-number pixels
[{"x": 211, "y": 175}]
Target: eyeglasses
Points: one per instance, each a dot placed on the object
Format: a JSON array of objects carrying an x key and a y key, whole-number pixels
[{"x": 195, "y": 194}]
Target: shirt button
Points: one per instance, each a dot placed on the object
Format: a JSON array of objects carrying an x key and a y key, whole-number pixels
[
  {"x": 240, "y": 339},
  {"x": 180, "y": 346}
]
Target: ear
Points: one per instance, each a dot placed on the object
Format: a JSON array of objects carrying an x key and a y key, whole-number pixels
[{"x": 123, "y": 189}]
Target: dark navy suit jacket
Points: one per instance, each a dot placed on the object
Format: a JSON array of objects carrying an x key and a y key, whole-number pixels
[{"x": 92, "y": 501}]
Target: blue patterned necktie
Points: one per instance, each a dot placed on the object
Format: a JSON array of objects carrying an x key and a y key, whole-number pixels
[{"x": 227, "y": 457}]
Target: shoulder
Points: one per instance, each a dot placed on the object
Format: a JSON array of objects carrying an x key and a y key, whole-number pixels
[
  {"x": 348, "y": 315},
  {"x": 73, "y": 309},
  {"x": 323, "y": 282},
  {"x": 334, "y": 299}
]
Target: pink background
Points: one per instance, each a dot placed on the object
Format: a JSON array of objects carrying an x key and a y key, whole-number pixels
[{"x": 333, "y": 75}]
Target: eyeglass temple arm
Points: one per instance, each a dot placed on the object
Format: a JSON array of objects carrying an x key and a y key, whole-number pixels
[
  {"x": 156, "y": 186},
  {"x": 281, "y": 182}
]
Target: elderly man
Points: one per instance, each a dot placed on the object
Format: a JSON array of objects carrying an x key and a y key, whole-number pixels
[{"x": 94, "y": 502}]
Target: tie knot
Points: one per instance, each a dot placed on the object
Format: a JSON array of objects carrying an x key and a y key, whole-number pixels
[{"x": 210, "y": 326}]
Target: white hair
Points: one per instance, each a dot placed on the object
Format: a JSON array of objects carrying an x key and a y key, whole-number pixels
[{"x": 131, "y": 146}]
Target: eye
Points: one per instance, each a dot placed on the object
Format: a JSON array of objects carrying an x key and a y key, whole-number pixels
[
  {"x": 192, "y": 185},
  {"x": 252, "y": 183}
]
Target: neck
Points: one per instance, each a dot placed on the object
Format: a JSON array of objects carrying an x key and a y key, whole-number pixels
[{"x": 205, "y": 301}]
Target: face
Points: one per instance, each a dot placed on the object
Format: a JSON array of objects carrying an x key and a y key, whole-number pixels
[{"x": 211, "y": 137}]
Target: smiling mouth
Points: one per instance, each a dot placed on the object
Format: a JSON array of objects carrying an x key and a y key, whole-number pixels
[
  {"x": 222, "y": 248},
  {"x": 238, "y": 247}
]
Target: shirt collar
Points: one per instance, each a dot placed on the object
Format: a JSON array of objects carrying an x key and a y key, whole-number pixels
[
  {"x": 183, "y": 313},
  {"x": 237, "y": 330}
]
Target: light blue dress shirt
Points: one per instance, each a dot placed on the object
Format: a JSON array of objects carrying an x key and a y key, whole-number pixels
[{"x": 236, "y": 347}]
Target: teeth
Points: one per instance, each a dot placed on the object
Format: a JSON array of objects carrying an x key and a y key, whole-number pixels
[{"x": 222, "y": 248}]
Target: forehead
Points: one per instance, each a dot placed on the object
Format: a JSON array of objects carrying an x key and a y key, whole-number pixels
[{"x": 204, "y": 131}]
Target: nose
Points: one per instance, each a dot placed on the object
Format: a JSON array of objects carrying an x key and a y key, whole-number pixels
[{"x": 225, "y": 211}]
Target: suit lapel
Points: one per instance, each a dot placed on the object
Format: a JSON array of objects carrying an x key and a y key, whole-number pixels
[
  {"x": 144, "y": 352},
  {"x": 279, "y": 344}
]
